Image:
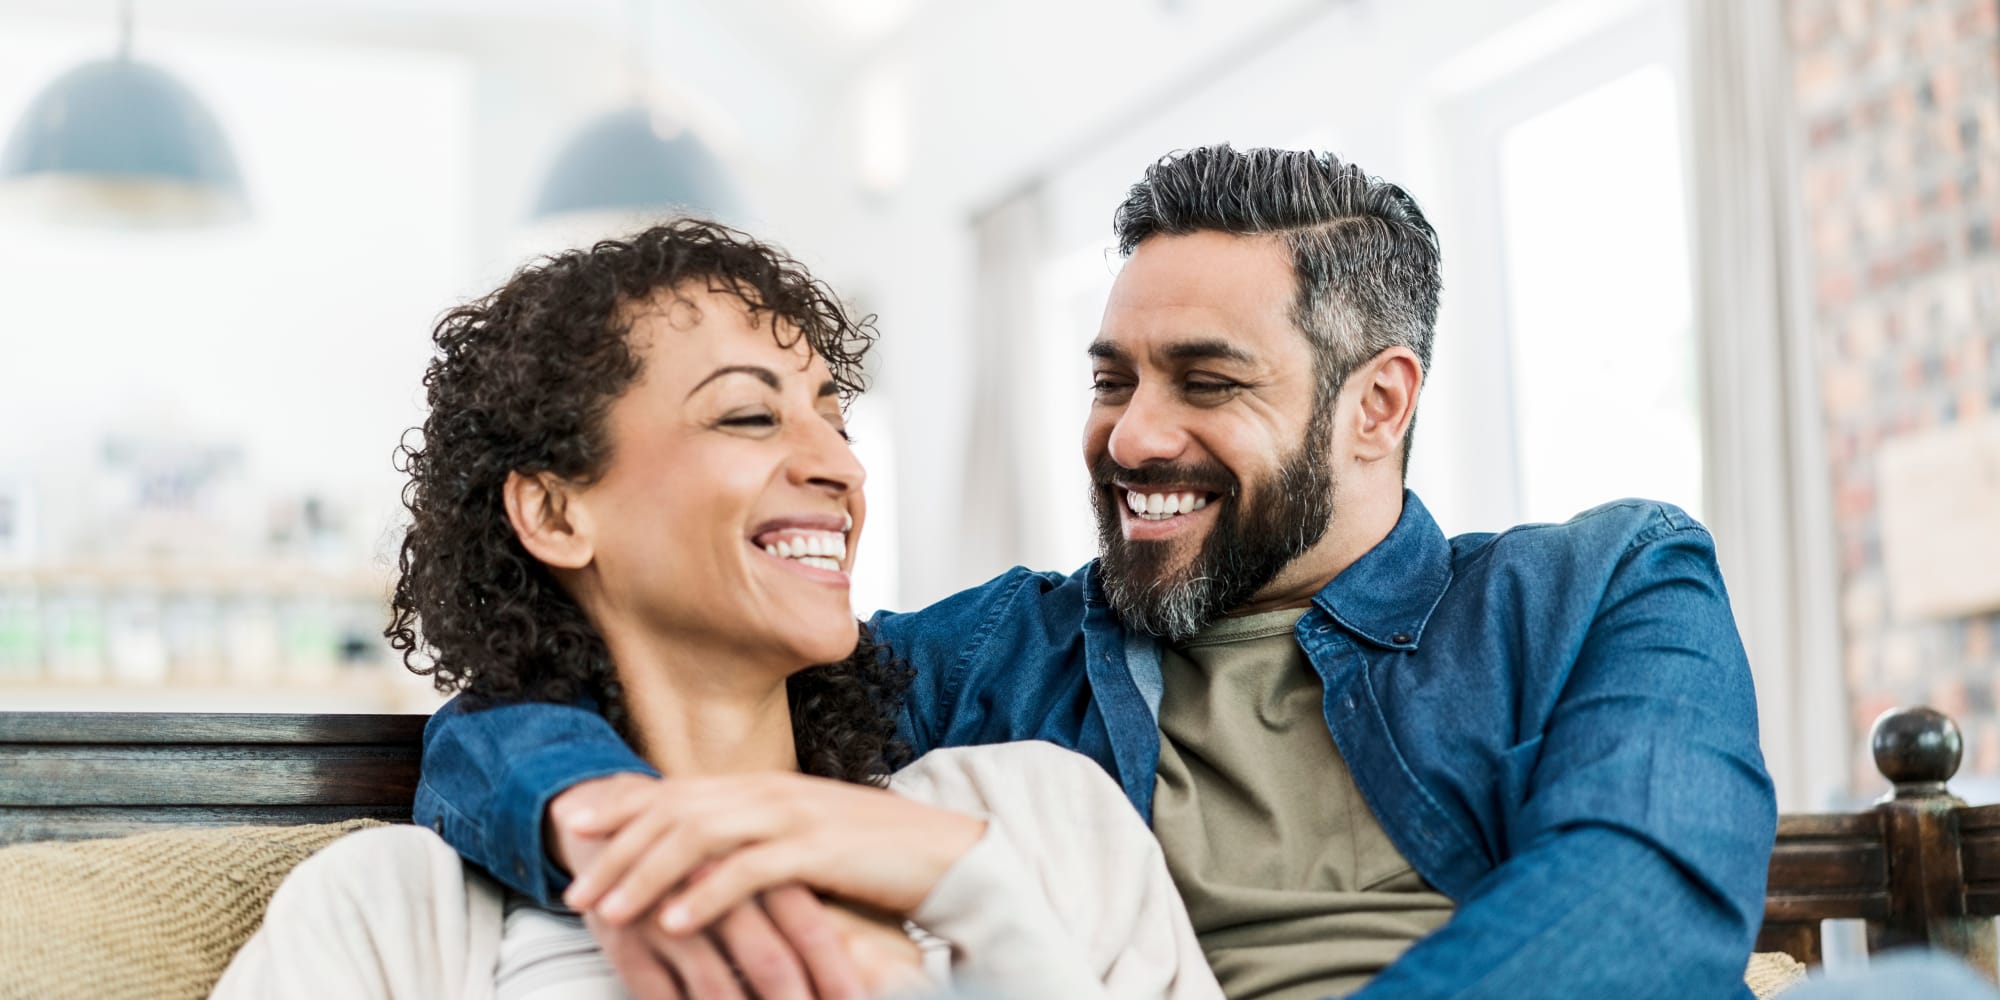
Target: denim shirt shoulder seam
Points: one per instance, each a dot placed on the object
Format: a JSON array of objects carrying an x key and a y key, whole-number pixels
[{"x": 1663, "y": 524}]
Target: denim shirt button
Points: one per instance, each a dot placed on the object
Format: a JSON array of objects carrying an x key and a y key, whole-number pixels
[
  {"x": 437, "y": 825},
  {"x": 1400, "y": 638}
]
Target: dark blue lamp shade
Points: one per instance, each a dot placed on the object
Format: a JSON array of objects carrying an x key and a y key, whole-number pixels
[
  {"x": 621, "y": 163},
  {"x": 129, "y": 125}
]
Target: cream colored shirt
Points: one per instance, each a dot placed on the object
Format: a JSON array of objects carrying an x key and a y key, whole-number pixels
[{"x": 1295, "y": 891}]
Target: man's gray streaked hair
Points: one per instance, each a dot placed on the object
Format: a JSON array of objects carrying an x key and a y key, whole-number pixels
[{"x": 1366, "y": 259}]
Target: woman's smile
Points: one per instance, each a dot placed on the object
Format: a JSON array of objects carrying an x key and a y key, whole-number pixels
[{"x": 814, "y": 546}]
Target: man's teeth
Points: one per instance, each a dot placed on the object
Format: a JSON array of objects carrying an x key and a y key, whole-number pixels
[
  {"x": 818, "y": 549},
  {"x": 1160, "y": 506}
]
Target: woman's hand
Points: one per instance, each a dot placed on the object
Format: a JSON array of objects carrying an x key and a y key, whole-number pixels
[
  {"x": 716, "y": 842},
  {"x": 783, "y": 945}
]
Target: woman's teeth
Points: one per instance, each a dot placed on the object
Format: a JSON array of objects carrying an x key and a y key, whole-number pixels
[
  {"x": 1160, "y": 506},
  {"x": 818, "y": 549}
]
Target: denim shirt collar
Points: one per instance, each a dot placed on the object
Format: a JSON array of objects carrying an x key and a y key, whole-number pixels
[{"x": 1387, "y": 596}]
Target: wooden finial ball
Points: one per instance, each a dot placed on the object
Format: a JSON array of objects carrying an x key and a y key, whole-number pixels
[{"x": 1916, "y": 745}]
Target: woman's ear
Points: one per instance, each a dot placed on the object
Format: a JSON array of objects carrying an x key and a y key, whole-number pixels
[{"x": 550, "y": 527}]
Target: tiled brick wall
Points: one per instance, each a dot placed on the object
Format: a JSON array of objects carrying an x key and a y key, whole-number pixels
[{"x": 1900, "y": 100}]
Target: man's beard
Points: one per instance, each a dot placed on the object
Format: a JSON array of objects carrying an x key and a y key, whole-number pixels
[{"x": 1242, "y": 554}]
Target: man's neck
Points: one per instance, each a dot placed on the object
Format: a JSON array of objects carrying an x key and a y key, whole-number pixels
[{"x": 1361, "y": 520}]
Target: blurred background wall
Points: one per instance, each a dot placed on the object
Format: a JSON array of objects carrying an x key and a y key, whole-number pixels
[
  {"x": 1900, "y": 108},
  {"x": 1733, "y": 254}
]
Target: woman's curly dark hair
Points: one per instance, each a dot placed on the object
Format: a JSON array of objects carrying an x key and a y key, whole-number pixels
[{"x": 522, "y": 382}]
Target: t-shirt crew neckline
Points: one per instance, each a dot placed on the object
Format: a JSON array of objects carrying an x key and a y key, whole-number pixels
[{"x": 1261, "y": 625}]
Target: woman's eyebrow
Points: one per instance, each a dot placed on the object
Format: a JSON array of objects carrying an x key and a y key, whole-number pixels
[{"x": 764, "y": 375}]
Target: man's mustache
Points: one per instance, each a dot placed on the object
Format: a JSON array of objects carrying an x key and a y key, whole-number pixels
[{"x": 1209, "y": 476}]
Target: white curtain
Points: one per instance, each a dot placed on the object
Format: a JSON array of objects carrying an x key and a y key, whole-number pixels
[
  {"x": 1769, "y": 484},
  {"x": 999, "y": 481}
]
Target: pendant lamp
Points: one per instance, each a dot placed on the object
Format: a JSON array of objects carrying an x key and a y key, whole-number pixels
[
  {"x": 117, "y": 140},
  {"x": 627, "y": 162}
]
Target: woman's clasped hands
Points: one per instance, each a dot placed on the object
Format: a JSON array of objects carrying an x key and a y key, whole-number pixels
[{"x": 725, "y": 872}]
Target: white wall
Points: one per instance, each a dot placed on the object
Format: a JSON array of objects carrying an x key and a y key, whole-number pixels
[
  {"x": 299, "y": 334},
  {"x": 987, "y": 98}
]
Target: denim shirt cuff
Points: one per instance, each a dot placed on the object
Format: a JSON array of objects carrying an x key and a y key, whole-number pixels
[{"x": 522, "y": 800}]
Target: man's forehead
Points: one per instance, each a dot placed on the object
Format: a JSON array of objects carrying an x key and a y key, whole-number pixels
[
  {"x": 1204, "y": 263},
  {"x": 1202, "y": 285},
  {"x": 1253, "y": 331}
]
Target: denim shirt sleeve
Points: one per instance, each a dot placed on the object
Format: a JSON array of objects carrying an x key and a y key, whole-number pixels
[
  {"x": 489, "y": 774},
  {"x": 1640, "y": 851}
]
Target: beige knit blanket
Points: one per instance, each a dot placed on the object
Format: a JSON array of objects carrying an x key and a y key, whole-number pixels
[
  {"x": 1771, "y": 973},
  {"x": 151, "y": 915},
  {"x": 161, "y": 914}
]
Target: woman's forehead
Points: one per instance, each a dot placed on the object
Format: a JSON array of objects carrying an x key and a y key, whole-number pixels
[{"x": 695, "y": 329}]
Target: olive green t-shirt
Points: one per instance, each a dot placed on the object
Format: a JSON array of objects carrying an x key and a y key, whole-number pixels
[{"x": 1294, "y": 890}]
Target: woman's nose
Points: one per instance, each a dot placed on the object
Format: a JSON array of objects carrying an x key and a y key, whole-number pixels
[{"x": 825, "y": 460}]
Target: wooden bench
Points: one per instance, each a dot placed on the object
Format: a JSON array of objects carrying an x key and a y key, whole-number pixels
[
  {"x": 73, "y": 776},
  {"x": 1921, "y": 867}
]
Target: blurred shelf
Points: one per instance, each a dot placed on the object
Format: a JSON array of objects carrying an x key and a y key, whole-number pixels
[
  {"x": 374, "y": 691},
  {"x": 166, "y": 576}
]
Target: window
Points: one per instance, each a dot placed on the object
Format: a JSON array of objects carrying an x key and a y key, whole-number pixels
[
  {"x": 1568, "y": 311},
  {"x": 1598, "y": 307}
]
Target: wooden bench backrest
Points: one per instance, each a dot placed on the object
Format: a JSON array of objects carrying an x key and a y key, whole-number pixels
[
  {"x": 72, "y": 776},
  {"x": 1921, "y": 867}
]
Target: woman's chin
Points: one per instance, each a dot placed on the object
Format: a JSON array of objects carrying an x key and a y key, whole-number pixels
[{"x": 820, "y": 641}]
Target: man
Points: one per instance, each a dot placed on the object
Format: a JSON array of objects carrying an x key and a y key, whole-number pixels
[{"x": 1515, "y": 765}]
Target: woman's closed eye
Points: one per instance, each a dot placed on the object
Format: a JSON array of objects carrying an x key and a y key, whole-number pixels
[
  {"x": 753, "y": 420},
  {"x": 760, "y": 421}
]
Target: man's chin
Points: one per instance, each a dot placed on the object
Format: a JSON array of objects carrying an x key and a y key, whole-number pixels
[{"x": 1153, "y": 564}]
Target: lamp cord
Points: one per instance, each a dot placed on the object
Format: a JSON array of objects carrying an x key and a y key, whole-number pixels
[{"x": 125, "y": 30}]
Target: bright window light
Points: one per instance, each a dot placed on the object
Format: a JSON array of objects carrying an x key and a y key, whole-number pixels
[{"x": 1599, "y": 305}]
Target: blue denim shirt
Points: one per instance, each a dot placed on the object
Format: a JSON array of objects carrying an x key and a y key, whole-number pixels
[{"x": 1554, "y": 724}]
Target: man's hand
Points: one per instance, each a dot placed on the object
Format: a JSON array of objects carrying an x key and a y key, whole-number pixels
[
  {"x": 784, "y": 945},
  {"x": 717, "y": 842}
]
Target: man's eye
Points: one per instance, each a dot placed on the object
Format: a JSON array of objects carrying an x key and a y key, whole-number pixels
[
  {"x": 1205, "y": 387},
  {"x": 1107, "y": 386},
  {"x": 750, "y": 420}
]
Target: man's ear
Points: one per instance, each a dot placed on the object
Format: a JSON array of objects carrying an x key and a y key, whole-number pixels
[
  {"x": 1386, "y": 389},
  {"x": 552, "y": 527}
]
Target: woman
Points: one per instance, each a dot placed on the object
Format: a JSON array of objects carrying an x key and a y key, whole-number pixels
[{"x": 634, "y": 486}]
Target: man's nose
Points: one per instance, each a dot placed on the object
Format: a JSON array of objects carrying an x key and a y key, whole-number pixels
[{"x": 1147, "y": 431}]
